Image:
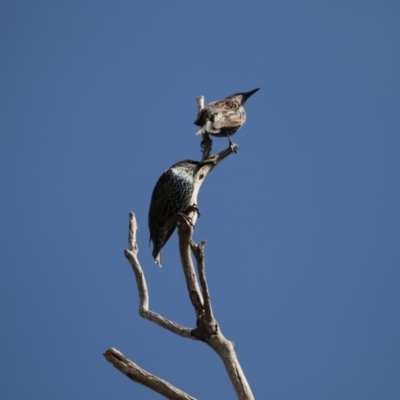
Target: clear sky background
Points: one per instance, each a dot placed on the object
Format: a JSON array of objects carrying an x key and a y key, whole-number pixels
[{"x": 302, "y": 225}]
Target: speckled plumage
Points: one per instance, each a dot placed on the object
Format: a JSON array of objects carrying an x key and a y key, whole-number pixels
[
  {"x": 223, "y": 117},
  {"x": 171, "y": 196}
]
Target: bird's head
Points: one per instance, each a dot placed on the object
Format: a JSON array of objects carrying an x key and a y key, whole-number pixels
[
  {"x": 190, "y": 166},
  {"x": 186, "y": 165},
  {"x": 241, "y": 98}
]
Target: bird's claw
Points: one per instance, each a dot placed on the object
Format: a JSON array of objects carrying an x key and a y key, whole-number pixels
[
  {"x": 234, "y": 147},
  {"x": 193, "y": 208},
  {"x": 186, "y": 218}
]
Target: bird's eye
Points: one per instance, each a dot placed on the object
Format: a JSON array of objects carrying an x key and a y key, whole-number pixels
[{"x": 233, "y": 104}]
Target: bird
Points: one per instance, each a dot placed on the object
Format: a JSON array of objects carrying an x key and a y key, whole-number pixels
[
  {"x": 223, "y": 117},
  {"x": 171, "y": 196}
]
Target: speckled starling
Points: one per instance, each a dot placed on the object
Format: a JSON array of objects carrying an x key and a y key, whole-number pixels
[
  {"x": 170, "y": 197},
  {"x": 223, "y": 117}
]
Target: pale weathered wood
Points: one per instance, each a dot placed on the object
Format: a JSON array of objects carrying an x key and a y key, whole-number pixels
[
  {"x": 139, "y": 375},
  {"x": 144, "y": 311},
  {"x": 198, "y": 252},
  {"x": 207, "y": 327},
  {"x": 200, "y": 103}
]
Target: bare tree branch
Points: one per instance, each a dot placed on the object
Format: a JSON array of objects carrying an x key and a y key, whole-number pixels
[
  {"x": 119, "y": 361},
  {"x": 207, "y": 328},
  {"x": 198, "y": 251},
  {"x": 209, "y": 164},
  {"x": 185, "y": 240},
  {"x": 144, "y": 311},
  {"x": 185, "y": 231},
  {"x": 139, "y": 375},
  {"x": 206, "y": 142},
  {"x": 224, "y": 348},
  {"x": 200, "y": 103}
]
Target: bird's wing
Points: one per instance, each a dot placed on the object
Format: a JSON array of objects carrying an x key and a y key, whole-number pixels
[
  {"x": 169, "y": 233},
  {"x": 207, "y": 112},
  {"x": 159, "y": 199},
  {"x": 227, "y": 118},
  {"x": 202, "y": 116}
]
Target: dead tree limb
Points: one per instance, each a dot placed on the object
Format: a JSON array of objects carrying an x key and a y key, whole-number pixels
[
  {"x": 132, "y": 255},
  {"x": 139, "y": 375},
  {"x": 207, "y": 328}
]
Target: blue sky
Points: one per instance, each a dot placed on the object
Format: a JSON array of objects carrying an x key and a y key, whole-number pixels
[{"x": 302, "y": 225}]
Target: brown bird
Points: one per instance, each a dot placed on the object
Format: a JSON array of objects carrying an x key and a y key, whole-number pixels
[{"x": 223, "y": 117}]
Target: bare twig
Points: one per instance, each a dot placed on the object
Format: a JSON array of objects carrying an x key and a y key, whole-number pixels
[
  {"x": 133, "y": 226},
  {"x": 206, "y": 142},
  {"x": 198, "y": 251},
  {"x": 185, "y": 232},
  {"x": 119, "y": 361},
  {"x": 144, "y": 311},
  {"x": 139, "y": 375},
  {"x": 200, "y": 103},
  {"x": 209, "y": 164}
]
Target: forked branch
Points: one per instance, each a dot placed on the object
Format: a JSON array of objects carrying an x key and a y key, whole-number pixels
[
  {"x": 207, "y": 328},
  {"x": 132, "y": 255}
]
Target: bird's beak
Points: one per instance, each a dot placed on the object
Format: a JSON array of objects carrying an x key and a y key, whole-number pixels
[{"x": 246, "y": 95}]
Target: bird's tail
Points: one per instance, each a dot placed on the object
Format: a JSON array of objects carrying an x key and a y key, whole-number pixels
[{"x": 207, "y": 128}]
